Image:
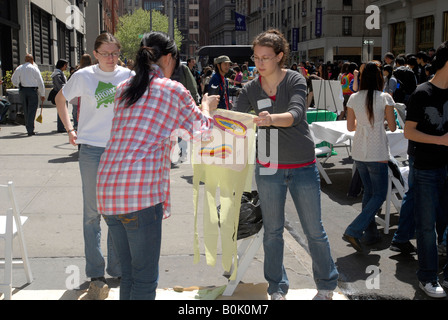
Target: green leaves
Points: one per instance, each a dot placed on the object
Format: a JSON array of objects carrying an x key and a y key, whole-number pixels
[{"x": 132, "y": 27}]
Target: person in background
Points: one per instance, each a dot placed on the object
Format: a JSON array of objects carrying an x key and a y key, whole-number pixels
[
  {"x": 96, "y": 86},
  {"x": 28, "y": 79},
  {"x": 148, "y": 108},
  {"x": 366, "y": 111},
  {"x": 390, "y": 83},
  {"x": 278, "y": 97},
  {"x": 219, "y": 84},
  {"x": 59, "y": 81}
]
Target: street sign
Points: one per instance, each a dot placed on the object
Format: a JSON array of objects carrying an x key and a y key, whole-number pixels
[{"x": 368, "y": 42}]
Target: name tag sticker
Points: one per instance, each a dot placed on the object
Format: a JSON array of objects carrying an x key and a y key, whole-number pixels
[{"x": 263, "y": 104}]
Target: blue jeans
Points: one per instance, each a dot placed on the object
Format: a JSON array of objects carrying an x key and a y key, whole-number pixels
[
  {"x": 89, "y": 159},
  {"x": 374, "y": 176},
  {"x": 137, "y": 237},
  {"x": 30, "y": 103},
  {"x": 428, "y": 187},
  {"x": 304, "y": 187},
  {"x": 406, "y": 222}
]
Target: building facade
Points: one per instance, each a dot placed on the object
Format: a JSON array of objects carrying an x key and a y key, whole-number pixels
[
  {"x": 327, "y": 30},
  {"x": 412, "y": 26},
  {"x": 49, "y": 30}
]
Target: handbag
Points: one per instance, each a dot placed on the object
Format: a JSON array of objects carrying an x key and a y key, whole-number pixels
[{"x": 52, "y": 95}]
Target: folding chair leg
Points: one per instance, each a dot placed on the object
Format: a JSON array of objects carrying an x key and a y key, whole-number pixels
[
  {"x": 323, "y": 173},
  {"x": 253, "y": 245},
  {"x": 6, "y": 286}
]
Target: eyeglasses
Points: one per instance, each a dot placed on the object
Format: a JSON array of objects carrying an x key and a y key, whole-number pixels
[
  {"x": 107, "y": 54},
  {"x": 262, "y": 60}
]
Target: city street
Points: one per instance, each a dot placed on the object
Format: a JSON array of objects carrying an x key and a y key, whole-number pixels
[
  {"x": 45, "y": 171},
  {"x": 378, "y": 274}
]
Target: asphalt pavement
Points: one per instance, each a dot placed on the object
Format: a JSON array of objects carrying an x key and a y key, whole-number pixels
[{"x": 45, "y": 172}]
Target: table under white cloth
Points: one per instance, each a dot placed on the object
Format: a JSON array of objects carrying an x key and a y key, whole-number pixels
[{"x": 335, "y": 132}]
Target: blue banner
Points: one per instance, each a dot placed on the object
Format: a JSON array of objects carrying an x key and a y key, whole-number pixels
[
  {"x": 240, "y": 22},
  {"x": 295, "y": 39},
  {"x": 318, "y": 22}
]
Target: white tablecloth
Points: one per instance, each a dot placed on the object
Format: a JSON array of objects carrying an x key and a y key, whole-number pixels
[{"x": 335, "y": 132}]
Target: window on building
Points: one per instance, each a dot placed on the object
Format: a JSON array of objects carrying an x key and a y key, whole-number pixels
[
  {"x": 41, "y": 22},
  {"x": 398, "y": 37},
  {"x": 304, "y": 34},
  {"x": 347, "y": 26},
  {"x": 348, "y": 3},
  {"x": 425, "y": 33},
  {"x": 445, "y": 26}
]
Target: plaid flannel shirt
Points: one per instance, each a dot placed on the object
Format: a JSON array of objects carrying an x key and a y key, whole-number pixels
[{"x": 134, "y": 171}]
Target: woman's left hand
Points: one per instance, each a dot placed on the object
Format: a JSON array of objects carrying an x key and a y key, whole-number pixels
[{"x": 264, "y": 119}]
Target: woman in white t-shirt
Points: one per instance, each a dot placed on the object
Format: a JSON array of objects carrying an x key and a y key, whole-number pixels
[
  {"x": 96, "y": 86},
  {"x": 366, "y": 111}
]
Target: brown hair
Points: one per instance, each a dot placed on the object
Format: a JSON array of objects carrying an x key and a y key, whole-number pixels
[
  {"x": 106, "y": 38},
  {"x": 372, "y": 80},
  {"x": 274, "y": 39}
]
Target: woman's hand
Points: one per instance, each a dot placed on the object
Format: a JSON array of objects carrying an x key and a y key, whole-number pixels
[
  {"x": 210, "y": 103},
  {"x": 72, "y": 136},
  {"x": 264, "y": 119}
]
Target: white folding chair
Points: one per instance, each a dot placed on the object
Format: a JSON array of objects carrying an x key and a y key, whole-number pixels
[
  {"x": 320, "y": 151},
  {"x": 247, "y": 250},
  {"x": 11, "y": 226},
  {"x": 395, "y": 194}
]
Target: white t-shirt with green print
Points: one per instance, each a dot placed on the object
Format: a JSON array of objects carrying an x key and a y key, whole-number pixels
[{"x": 96, "y": 89}]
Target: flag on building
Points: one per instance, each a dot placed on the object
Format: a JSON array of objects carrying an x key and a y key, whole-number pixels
[{"x": 240, "y": 22}]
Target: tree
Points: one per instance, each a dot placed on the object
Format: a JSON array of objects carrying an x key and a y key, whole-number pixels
[{"x": 132, "y": 27}]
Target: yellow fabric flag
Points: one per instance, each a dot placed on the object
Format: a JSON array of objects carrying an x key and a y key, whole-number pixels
[{"x": 225, "y": 162}]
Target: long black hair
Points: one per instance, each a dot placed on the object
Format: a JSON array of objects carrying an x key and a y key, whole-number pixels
[
  {"x": 372, "y": 80},
  {"x": 154, "y": 45}
]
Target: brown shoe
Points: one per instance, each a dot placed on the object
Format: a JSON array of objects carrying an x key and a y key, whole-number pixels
[{"x": 353, "y": 241}]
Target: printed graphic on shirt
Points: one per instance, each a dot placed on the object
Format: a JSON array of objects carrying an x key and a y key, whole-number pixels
[
  {"x": 105, "y": 95},
  {"x": 437, "y": 119}
]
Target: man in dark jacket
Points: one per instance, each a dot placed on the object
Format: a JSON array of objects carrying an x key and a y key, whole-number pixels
[
  {"x": 406, "y": 81},
  {"x": 219, "y": 85}
]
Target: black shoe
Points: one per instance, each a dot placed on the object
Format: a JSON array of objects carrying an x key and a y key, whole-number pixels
[
  {"x": 406, "y": 247},
  {"x": 98, "y": 279},
  {"x": 353, "y": 241},
  {"x": 31, "y": 134}
]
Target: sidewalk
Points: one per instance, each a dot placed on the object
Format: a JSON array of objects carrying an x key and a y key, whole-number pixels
[{"x": 45, "y": 173}]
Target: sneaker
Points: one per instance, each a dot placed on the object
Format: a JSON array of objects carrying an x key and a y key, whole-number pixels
[
  {"x": 353, "y": 241},
  {"x": 324, "y": 295},
  {"x": 406, "y": 247},
  {"x": 433, "y": 289},
  {"x": 278, "y": 296}
]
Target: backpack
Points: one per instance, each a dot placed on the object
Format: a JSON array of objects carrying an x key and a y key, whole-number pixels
[{"x": 400, "y": 92}]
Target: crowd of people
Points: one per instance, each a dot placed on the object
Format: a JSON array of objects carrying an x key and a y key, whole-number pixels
[{"x": 126, "y": 114}]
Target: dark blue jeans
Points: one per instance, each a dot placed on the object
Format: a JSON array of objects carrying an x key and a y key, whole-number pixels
[
  {"x": 30, "y": 103},
  {"x": 137, "y": 238},
  {"x": 304, "y": 186},
  {"x": 428, "y": 195},
  {"x": 374, "y": 176}
]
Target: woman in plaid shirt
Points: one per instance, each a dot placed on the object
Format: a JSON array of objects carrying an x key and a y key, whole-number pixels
[{"x": 133, "y": 176}]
